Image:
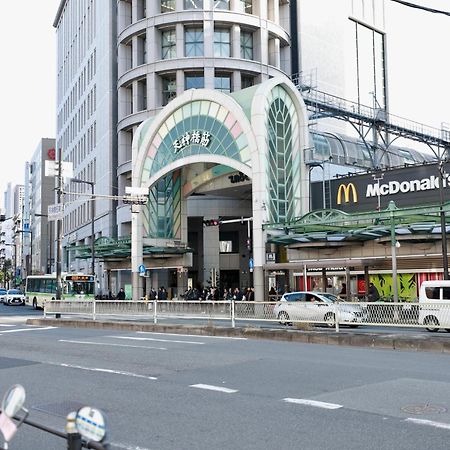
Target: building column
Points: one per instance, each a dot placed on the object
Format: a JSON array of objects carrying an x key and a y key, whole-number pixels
[
  {"x": 136, "y": 250},
  {"x": 210, "y": 252}
]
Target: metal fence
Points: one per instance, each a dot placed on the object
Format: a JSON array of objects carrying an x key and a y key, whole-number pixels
[{"x": 430, "y": 315}]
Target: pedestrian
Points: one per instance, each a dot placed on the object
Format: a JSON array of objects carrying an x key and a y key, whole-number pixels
[
  {"x": 162, "y": 293},
  {"x": 373, "y": 294},
  {"x": 121, "y": 294},
  {"x": 343, "y": 292},
  {"x": 152, "y": 294}
]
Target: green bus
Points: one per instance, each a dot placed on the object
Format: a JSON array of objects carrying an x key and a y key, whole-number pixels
[{"x": 40, "y": 288}]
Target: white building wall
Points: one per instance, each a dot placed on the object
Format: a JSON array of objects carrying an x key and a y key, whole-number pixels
[{"x": 86, "y": 118}]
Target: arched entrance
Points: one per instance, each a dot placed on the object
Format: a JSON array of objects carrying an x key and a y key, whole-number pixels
[{"x": 203, "y": 135}]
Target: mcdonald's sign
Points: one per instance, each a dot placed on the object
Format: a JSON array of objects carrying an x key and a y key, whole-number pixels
[{"x": 346, "y": 190}]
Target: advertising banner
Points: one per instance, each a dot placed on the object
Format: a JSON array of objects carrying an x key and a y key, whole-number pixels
[{"x": 408, "y": 186}]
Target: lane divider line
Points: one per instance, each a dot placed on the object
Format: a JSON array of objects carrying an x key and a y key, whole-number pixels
[
  {"x": 127, "y": 446},
  {"x": 156, "y": 340},
  {"x": 112, "y": 345},
  {"x": 430, "y": 423},
  {"x": 302, "y": 401},
  {"x": 214, "y": 388},
  {"x": 28, "y": 329},
  {"x": 95, "y": 369},
  {"x": 195, "y": 335}
]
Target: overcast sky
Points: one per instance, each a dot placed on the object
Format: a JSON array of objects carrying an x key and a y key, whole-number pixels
[{"x": 418, "y": 76}]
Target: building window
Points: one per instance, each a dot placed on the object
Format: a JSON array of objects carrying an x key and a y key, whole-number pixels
[
  {"x": 169, "y": 89},
  {"x": 167, "y": 6},
  {"x": 222, "y": 4},
  {"x": 222, "y": 82},
  {"x": 222, "y": 43},
  {"x": 193, "y": 4},
  {"x": 247, "y": 6},
  {"x": 246, "y": 45},
  {"x": 247, "y": 81},
  {"x": 193, "y": 42},
  {"x": 194, "y": 81},
  {"x": 169, "y": 44}
]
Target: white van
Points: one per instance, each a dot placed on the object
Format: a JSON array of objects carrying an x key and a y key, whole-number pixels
[{"x": 435, "y": 309}]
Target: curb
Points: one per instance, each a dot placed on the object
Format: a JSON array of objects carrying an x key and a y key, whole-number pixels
[{"x": 344, "y": 338}]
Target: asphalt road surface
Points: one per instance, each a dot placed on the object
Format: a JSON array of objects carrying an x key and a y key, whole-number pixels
[{"x": 163, "y": 391}]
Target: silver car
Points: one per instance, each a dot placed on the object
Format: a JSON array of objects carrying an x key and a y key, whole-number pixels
[{"x": 317, "y": 307}]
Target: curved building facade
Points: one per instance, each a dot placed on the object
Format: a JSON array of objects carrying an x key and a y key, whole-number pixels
[{"x": 166, "y": 47}]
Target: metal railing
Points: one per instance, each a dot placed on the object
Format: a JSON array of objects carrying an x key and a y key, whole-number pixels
[{"x": 430, "y": 315}]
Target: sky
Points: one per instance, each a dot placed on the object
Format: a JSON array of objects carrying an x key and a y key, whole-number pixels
[{"x": 419, "y": 87}]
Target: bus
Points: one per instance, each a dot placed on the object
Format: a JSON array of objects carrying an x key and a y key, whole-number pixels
[{"x": 40, "y": 288}]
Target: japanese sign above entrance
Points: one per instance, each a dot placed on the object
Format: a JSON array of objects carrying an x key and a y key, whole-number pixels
[{"x": 198, "y": 137}]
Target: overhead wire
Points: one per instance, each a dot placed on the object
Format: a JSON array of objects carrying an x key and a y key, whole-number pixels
[{"x": 422, "y": 7}]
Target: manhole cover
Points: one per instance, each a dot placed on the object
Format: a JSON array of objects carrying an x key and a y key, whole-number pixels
[{"x": 423, "y": 409}]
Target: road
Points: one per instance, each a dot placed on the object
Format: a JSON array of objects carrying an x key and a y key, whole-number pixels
[{"x": 163, "y": 391}]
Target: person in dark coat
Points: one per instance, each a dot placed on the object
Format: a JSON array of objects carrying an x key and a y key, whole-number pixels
[
  {"x": 373, "y": 294},
  {"x": 121, "y": 294}
]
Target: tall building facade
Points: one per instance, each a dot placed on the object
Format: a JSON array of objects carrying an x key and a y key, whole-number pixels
[
  {"x": 39, "y": 233},
  {"x": 87, "y": 120}
]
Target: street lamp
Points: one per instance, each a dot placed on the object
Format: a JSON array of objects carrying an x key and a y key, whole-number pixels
[
  {"x": 92, "y": 184},
  {"x": 443, "y": 222},
  {"x": 394, "y": 246}
]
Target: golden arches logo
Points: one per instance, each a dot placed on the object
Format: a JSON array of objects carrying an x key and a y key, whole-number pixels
[{"x": 346, "y": 190}]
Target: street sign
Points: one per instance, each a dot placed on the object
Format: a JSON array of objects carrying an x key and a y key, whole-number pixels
[
  {"x": 55, "y": 212},
  {"x": 251, "y": 264},
  {"x": 141, "y": 268}
]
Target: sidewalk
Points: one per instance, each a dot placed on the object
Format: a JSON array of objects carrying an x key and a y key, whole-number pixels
[{"x": 430, "y": 342}]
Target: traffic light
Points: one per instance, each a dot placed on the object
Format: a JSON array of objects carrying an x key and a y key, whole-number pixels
[{"x": 211, "y": 222}]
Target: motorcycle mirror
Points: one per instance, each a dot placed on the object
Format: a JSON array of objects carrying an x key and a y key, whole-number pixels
[
  {"x": 91, "y": 424},
  {"x": 13, "y": 400}
]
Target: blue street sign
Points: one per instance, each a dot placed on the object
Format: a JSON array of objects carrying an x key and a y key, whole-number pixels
[
  {"x": 141, "y": 268},
  {"x": 26, "y": 226},
  {"x": 251, "y": 264}
]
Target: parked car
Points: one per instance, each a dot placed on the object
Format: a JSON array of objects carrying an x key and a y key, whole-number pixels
[
  {"x": 2, "y": 295},
  {"x": 317, "y": 307},
  {"x": 14, "y": 297}
]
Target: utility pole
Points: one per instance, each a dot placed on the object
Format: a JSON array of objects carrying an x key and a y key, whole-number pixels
[{"x": 59, "y": 229}]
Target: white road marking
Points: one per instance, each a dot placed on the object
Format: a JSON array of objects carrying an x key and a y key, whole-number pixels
[
  {"x": 214, "y": 388},
  {"x": 127, "y": 446},
  {"x": 28, "y": 329},
  {"x": 430, "y": 423},
  {"x": 6, "y": 325},
  {"x": 95, "y": 369},
  {"x": 302, "y": 401},
  {"x": 112, "y": 345},
  {"x": 194, "y": 335},
  {"x": 156, "y": 340}
]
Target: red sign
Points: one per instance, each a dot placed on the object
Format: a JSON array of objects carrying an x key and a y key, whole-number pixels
[{"x": 51, "y": 154}]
